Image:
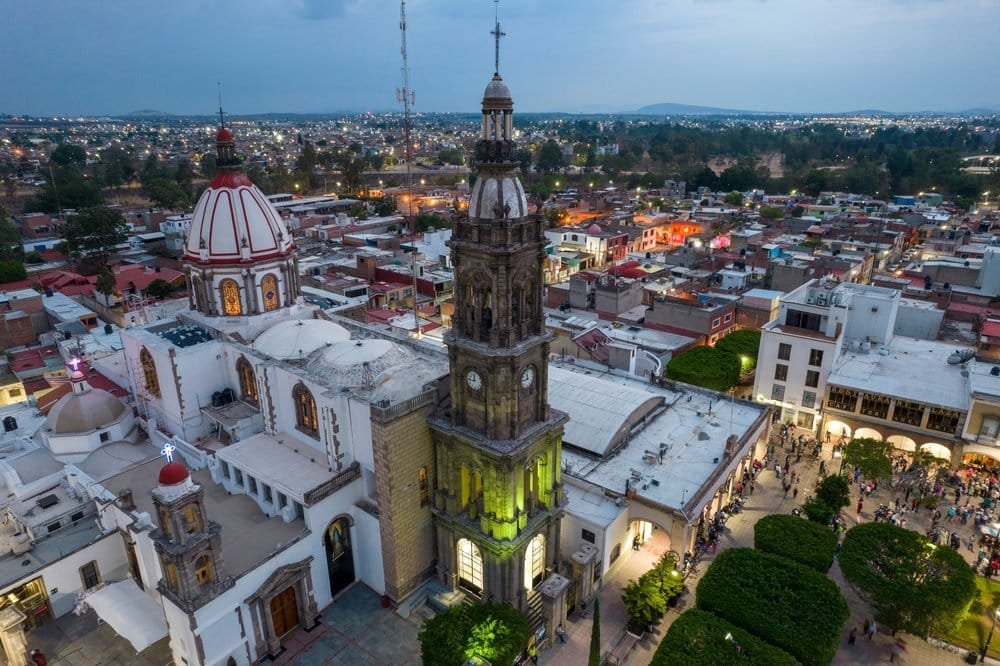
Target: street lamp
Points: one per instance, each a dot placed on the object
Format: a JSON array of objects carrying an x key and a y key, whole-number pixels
[{"x": 989, "y": 639}]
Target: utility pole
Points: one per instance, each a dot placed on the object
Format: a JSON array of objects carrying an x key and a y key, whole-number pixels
[{"x": 408, "y": 97}]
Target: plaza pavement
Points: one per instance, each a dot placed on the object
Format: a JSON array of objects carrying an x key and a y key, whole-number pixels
[{"x": 768, "y": 498}]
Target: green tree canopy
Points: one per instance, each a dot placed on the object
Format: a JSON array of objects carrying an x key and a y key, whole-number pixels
[
  {"x": 496, "y": 633},
  {"x": 66, "y": 154},
  {"x": 780, "y": 601},
  {"x": 160, "y": 288},
  {"x": 425, "y": 221},
  {"x": 800, "y": 540},
  {"x": 771, "y": 212},
  {"x": 744, "y": 344},
  {"x": 12, "y": 270},
  {"x": 166, "y": 193},
  {"x": 818, "y": 511},
  {"x": 869, "y": 455},
  {"x": 550, "y": 157},
  {"x": 698, "y": 638},
  {"x": 594, "y": 656},
  {"x": 834, "y": 492},
  {"x": 93, "y": 233},
  {"x": 913, "y": 585},
  {"x": 734, "y": 199},
  {"x": 10, "y": 237},
  {"x": 451, "y": 156},
  {"x": 105, "y": 281},
  {"x": 708, "y": 367}
]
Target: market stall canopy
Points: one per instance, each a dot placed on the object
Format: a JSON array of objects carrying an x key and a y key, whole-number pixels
[{"x": 133, "y": 615}]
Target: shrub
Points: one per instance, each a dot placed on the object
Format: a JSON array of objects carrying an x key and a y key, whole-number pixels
[
  {"x": 913, "y": 585},
  {"x": 496, "y": 633},
  {"x": 782, "y": 602},
  {"x": 698, "y": 638},
  {"x": 800, "y": 540},
  {"x": 743, "y": 345},
  {"x": 707, "y": 367},
  {"x": 646, "y": 599}
]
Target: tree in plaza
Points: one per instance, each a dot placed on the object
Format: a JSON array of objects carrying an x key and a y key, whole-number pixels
[
  {"x": 913, "y": 585},
  {"x": 818, "y": 511},
  {"x": 92, "y": 234},
  {"x": 834, "y": 492},
  {"x": 802, "y": 541},
  {"x": 644, "y": 602},
  {"x": 708, "y": 367},
  {"x": 697, "y": 638},
  {"x": 595, "y": 636},
  {"x": 869, "y": 455},
  {"x": 495, "y": 633}
]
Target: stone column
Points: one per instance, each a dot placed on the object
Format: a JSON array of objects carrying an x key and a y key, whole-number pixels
[
  {"x": 15, "y": 646},
  {"x": 584, "y": 561},
  {"x": 553, "y": 591}
]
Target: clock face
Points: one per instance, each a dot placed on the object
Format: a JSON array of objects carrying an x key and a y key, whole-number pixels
[
  {"x": 528, "y": 377},
  {"x": 474, "y": 381}
]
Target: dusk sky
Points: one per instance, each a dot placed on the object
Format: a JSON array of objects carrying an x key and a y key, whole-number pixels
[{"x": 116, "y": 56}]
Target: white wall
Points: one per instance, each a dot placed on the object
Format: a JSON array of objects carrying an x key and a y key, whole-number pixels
[
  {"x": 919, "y": 322},
  {"x": 63, "y": 576},
  {"x": 871, "y": 316}
]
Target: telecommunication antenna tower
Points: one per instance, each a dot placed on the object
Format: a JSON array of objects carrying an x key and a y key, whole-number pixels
[{"x": 408, "y": 97}]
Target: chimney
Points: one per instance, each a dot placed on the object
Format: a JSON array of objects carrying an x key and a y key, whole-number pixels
[{"x": 125, "y": 499}]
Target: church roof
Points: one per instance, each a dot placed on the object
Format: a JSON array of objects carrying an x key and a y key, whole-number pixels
[
  {"x": 298, "y": 338},
  {"x": 84, "y": 412},
  {"x": 233, "y": 221}
]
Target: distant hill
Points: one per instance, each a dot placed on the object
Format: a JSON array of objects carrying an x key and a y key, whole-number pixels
[
  {"x": 148, "y": 113},
  {"x": 671, "y": 109}
]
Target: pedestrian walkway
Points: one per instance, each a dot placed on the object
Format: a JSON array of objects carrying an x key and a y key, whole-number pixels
[{"x": 768, "y": 498}]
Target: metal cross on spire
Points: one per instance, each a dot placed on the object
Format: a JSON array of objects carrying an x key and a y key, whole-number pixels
[
  {"x": 221, "y": 121},
  {"x": 497, "y": 34}
]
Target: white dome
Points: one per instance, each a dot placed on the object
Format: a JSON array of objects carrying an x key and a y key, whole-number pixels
[
  {"x": 357, "y": 362},
  {"x": 490, "y": 190},
  {"x": 299, "y": 338},
  {"x": 234, "y": 222},
  {"x": 496, "y": 89},
  {"x": 86, "y": 411}
]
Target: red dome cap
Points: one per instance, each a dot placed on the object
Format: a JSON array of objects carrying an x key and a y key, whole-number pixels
[
  {"x": 595, "y": 228},
  {"x": 224, "y": 135},
  {"x": 173, "y": 473}
]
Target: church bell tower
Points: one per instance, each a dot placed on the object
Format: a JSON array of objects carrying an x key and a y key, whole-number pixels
[{"x": 498, "y": 500}]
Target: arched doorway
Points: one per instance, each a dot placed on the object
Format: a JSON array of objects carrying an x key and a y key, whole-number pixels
[
  {"x": 339, "y": 555},
  {"x": 902, "y": 443},
  {"x": 835, "y": 430},
  {"x": 937, "y": 450},
  {"x": 867, "y": 433}
]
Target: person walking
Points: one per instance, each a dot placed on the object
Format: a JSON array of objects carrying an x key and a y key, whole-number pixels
[
  {"x": 852, "y": 635},
  {"x": 861, "y": 505},
  {"x": 872, "y": 629},
  {"x": 561, "y": 633}
]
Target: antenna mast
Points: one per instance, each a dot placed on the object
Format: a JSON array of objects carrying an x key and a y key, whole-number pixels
[
  {"x": 408, "y": 97},
  {"x": 222, "y": 123}
]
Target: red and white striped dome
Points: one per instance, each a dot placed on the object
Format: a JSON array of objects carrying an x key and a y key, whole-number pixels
[{"x": 233, "y": 221}]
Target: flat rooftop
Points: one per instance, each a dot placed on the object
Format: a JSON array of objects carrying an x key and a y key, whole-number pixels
[
  {"x": 912, "y": 369},
  {"x": 48, "y": 550},
  {"x": 293, "y": 469},
  {"x": 248, "y": 536},
  {"x": 693, "y": 428}
]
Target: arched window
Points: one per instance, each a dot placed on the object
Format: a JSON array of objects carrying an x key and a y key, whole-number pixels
[
  {"x": 191, "y": 519},
  {"x": 534, "y": 562},
  {"x": 305, "y": 410},
  {"x": 230, "y": 292},
  {"x": 149, "y": 372},
  {"x": 425, "y": 492},
  {"x": 170, "y": 573},
  {"x": 269, "y": 290},
  {"x": 470, "y": 566},
  {"x": 248, "y": 380},
  {"x": 203, "y": 569}
]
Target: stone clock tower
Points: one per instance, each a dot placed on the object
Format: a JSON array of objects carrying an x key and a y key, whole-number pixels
[{"x": 498, "y": 499}]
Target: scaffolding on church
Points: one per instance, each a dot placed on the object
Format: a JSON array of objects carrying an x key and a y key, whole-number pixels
[
  {"x": 149, "y": 414},
  {"x": 134, "y": 309}
]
